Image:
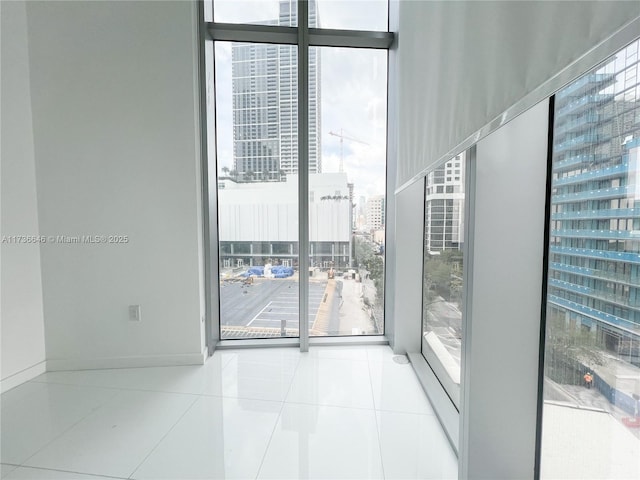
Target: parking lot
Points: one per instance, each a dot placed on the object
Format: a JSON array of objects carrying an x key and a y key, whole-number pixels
[{"x": 266, "y": 303}]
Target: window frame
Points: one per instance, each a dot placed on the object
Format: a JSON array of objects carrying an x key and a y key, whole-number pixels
[{"x": 304, "y": 38}]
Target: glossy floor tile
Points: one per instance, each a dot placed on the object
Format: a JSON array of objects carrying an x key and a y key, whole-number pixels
[
  {"x": 331, "y": 413},
  {"x": 260, "y": 374},
  {"x": 312, "y": 441},
  {"x": 117, "y": 437},
  {"x": 396, "y": 387},
  {"x": 6, "y": 469},
  {"x": 330, "y": 381},
  {"x": 32, "y": 420},
  {"x": 217, "y": 438},
  {"x": 414, "y": 446},
  {"x": 28, "y": 473}
]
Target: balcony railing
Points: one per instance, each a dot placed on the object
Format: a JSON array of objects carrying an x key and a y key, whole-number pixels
[
  {"x": 587, "y": 82},
  {"x": 604, "y": 214},
  {"x": 597, "y": 315},
  {"x": 583, "y": 141},
  {"x": 605, "y": 234},
  {"x": 579, "y": 123},
  {"x": 582, "y": 103},
  {"x": 575, "y": 160},
  {"x": 600, "y": 194},
  {"x": 602, "y": 173},
  {"x": 593, "y": 293},
  {"x": 597, "y": 254},
  {"x": 596, "y": 273}
]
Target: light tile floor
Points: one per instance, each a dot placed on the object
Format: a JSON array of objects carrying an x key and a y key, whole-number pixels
[{"x": 335, "y": 412}]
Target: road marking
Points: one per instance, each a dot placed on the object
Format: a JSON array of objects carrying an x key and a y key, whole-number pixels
[
  {"x": 278, "y": 313},
  {"x": 258, "y": 314}
]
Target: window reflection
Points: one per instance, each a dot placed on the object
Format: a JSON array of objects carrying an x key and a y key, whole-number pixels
[{"x": 592, "y": 357}]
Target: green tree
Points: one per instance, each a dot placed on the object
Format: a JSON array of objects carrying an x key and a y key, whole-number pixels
[
  {"x": 443, "y": 276},
  {"x": 569, "y": 348}
]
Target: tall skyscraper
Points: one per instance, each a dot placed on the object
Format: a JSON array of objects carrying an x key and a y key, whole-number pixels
[
  {"x": 594, "y": 269},
  {"x": 265, "y": 102},
  {"x": 444, "y": 207}
]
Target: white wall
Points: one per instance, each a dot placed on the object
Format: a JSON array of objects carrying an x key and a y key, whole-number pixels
[
  {"x": 409, "y": 225},
  {"x": 462, "y": 64},
  {"x": 115, "y": 110},
  {"x": 21, "y": 323},
  {"x": 502, "y": 327}
]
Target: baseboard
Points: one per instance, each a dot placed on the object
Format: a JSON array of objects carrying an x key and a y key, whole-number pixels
[
  {"x": 442, "y": 405},
  {"x": 97, "y": 363},
  {"x": 23, "y": 376}
]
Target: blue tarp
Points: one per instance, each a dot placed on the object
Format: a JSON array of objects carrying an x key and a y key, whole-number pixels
[{"x": 277, "y": 271}]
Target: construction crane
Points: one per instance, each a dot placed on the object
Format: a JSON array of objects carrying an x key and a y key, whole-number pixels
[{"x": 342, "y": 137}]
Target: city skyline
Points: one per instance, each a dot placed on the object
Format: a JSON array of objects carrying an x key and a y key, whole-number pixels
[
  {"x": 265, "y": 105},
  {"x": 355, "y": 101}
]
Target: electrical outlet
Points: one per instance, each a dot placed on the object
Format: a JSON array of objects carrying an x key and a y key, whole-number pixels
[{"x": 134, "y": 313}]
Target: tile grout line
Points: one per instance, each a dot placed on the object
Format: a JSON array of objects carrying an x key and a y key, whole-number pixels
[
  {"x": 66, "y": 430},
  {"x": 275, "y": 426},
  {"x": 163, "y": 437},
  {"x": 120, "y": 389},
  {"x": 228, "y": 362},
  {"x": 68, "y": 471},
  {"x": 375, "y": 415}
]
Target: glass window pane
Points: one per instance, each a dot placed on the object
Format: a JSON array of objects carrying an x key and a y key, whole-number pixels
[
  {"x": 443, "y": 272},
  {"x": 347, "y": 148},
  {"x": 591, "y": 413},
  {"x": 257, "y": 12},
  {"x": 256, "y": 101},
  {"x": 350, "y": 14}
]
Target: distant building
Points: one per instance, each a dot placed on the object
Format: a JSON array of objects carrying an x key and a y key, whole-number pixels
[
  {"x": 375, "y": 212},
  {"x": 594, "y": 261},
  {"x": 258, "y": 221},
  {"x": 265, "y": 102},
  {"x": 444, "y": 207}
]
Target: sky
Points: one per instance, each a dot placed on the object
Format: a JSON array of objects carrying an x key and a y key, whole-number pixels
[{"x": 353, "y": 90}]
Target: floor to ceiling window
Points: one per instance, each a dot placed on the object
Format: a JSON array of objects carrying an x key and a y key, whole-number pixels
[
  {"x": 443, "y": 282},
  {"x": 591, "y": 412},
  {"x": 347, "y": 193},
  {"x": 298, "y": 146}
]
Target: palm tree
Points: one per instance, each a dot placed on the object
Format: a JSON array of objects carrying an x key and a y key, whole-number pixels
[{"x": 225, "y": 171}]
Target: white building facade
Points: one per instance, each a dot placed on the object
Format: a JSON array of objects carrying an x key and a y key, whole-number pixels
[
  {"x": 258, "y": 221},
  {"x": 444, "y": 207}
]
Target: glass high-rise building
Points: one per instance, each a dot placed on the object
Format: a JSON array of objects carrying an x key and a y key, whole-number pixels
[
  {"x": 594, "y": 270},
  {"x": 265, "y": 99}
]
